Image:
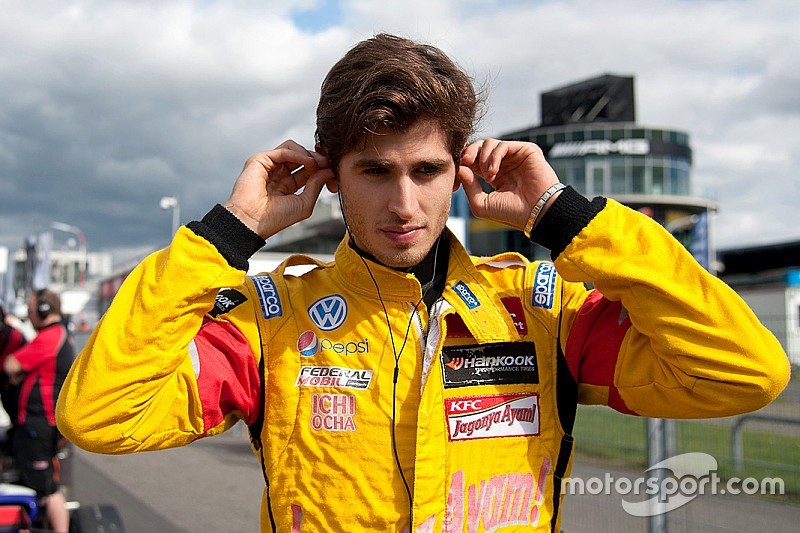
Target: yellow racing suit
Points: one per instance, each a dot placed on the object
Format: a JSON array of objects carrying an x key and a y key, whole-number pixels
[{"x": 371, "y": 412}]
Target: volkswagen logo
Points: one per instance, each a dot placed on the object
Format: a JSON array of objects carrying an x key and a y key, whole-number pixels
[{"x": 328, "y": 313}]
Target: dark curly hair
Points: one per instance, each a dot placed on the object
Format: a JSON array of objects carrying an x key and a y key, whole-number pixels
[{"x": 392, "y": 82}]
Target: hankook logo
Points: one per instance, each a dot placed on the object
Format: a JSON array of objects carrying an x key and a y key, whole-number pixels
[{"x": 328, "y": 313}]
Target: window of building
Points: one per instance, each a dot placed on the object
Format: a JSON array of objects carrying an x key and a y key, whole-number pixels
[
  {"x": 597, "y": 134},
  {"x": 638, "y": 177},
  {"x": 571, "y": 172},
  {"x": 578, "y": 177},
  {"x": 618, "y": 176},
  {"x": 596, "y": 172},
  {"x": 658, "y": 177},
  {"x": 672, "y": 137},
  {"x": 677, "y": 177},
  {"x": 560, "y": 168}
]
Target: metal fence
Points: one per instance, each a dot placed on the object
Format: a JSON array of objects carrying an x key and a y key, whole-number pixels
[{"x": 753, "y": 455}]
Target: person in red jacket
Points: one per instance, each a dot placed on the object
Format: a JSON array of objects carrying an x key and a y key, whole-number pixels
[{"x": 39, "y": 368}]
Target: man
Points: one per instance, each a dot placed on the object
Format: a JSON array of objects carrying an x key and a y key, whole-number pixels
[
  {"x": 39, "y": 369},
  {"x": 408, "y": 386}
]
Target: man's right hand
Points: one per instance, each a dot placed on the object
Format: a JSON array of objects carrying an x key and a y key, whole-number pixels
[{"x": 265, "y": 196}]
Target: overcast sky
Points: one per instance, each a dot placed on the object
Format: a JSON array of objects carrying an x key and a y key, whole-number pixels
[{"x": 108, "y": 105}]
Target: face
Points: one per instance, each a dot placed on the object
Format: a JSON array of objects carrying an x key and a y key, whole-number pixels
[{"x": 396, "y": 193}]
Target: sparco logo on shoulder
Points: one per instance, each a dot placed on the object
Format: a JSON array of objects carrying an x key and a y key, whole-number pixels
[
  {"x": 467, "y": 295},
  {"x": 268, "y": 296},
  {"x": 328, "y": 313},
  {"x": 544, "y": 281}
]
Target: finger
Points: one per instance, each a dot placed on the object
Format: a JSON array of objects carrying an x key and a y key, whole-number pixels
[
  {"x": 320, "y": 159},
  {"x": 291, "y": 154},
  {"x": 476, "y": 152},
  {"x": 473, "y": 190},
  {"x": 302, "y": 174},
  {"x": 296, "y": 158},
  {"x": 470, "y": 153},
  {"x": 292, "y": 145},
  {"x": 267, "y": 162},
  {"x": 493, "y": 159},
  {"x": 485, "y": 158},
  {"x": 313, "y": 188},
  {"x": 465, "y": 175}
]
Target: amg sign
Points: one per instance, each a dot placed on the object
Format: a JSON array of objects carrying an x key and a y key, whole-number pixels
[{"x": 600, "y": 147}]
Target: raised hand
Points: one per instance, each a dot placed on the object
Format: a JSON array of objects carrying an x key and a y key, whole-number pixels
[
  {"x": 516, "y": 170},
  {"x": 265, "y": 195}
]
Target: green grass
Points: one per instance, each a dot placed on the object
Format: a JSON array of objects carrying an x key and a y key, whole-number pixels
[{"x": 601, "y": 433}]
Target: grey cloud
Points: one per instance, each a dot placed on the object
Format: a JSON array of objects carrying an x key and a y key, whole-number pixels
[{"x": 107, "y": 106}]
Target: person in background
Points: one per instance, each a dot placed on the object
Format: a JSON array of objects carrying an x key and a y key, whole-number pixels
[
  {"x": 408, "y": 386},
  {"x": 11, "y": 339},
  {"x": 38, "y": 369}
]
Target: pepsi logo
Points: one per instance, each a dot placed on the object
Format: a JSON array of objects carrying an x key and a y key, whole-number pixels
[{"x": 307, "y": 343}]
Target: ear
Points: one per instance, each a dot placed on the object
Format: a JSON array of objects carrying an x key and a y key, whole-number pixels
[
  {"x": 459, "y": 167},
  {"x": 331, "y": 185}
]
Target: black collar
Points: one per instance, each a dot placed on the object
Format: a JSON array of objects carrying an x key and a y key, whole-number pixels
[{"x": 431, "y": 271}]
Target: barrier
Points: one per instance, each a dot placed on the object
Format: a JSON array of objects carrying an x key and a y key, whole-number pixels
[{"x": 737, "y": 441}]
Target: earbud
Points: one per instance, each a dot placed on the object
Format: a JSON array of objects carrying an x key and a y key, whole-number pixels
[{"x": 43, "y": 307}]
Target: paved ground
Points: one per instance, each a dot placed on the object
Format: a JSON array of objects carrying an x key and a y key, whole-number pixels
[{"x": 212, "y": 485}]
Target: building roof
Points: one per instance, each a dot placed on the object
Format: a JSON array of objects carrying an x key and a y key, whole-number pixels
[
  {"x": 760, "y": 258},
  {"x": 605, "y": 98}
]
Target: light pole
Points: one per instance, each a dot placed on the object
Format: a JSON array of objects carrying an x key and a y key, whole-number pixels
[
  {"x": 171, "y": 202},
  {"x": 81, "y": 247}
]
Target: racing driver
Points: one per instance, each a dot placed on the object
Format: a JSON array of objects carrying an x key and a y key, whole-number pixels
[{"x": 408, "y": 386}]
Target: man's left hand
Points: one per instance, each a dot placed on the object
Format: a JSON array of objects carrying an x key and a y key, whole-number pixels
[{"x": 516, "y": 170}]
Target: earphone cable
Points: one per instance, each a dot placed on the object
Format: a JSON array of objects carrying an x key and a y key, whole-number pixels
[
  {"x": 396, "y": 371},
  {"x": 394, "y": 385},
  {"x": 424, "y": 288}
]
